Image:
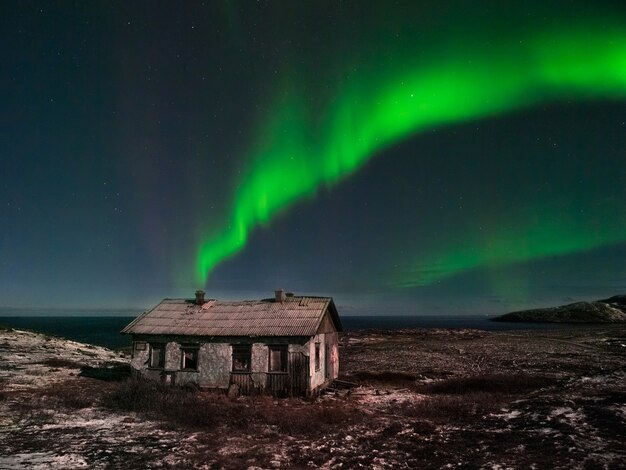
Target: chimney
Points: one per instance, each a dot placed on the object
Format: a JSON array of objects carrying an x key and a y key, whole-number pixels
[
  {"x": 280, "y": 295},
  {"x": 199, "y": 297}
]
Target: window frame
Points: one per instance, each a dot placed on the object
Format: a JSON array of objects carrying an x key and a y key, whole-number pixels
[
  {"x": 241, "y": 351},
  {"x": 318, "y": 356},
  {"x": 195, "y": 349},
  {"x": 161, "y": 363},
  {"x": 283, "y": 350}
]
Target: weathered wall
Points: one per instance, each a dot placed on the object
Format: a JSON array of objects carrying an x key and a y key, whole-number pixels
[
  {"x": 172, "y": 357},
  {"x": 259, "y": 364},
  {"x": 140, "y": 357},
  {"x": 215, "y": 359},
  {"x": 332, "y": 339},
  {"x": 326, "y": 326},
  {"x": 214, "y": 365},
  {"x": 328, "y": 345},
  {"x": 328, "y": 338},
  {"x": 299, "y": 348}
]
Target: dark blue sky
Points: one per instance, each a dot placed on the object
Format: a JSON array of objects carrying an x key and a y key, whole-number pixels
[{"x": 126, "y": 128}]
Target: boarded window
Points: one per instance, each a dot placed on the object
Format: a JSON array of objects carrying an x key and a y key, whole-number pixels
[
  {"x": 242, "y": 357},
  {"x": 317, "y": 356},
  {"x": 189, "y": 358},
  {"x": 157, "y": 355},
  {"x": 278, "y": 358}
]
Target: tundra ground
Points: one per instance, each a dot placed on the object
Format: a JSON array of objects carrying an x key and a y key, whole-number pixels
[{"x": 426, "y": 399}]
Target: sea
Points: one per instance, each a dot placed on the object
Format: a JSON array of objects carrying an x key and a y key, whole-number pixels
[{"x": 102, "y": 327}]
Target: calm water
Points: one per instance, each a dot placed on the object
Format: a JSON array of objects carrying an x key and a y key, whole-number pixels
[{"x": 104, "y": 330}]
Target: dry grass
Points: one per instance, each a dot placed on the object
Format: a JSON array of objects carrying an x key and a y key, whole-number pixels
[
  {"x": 504, "y": 384},
  {"x": 180, "y": 406},
  {"x": 309, "y": 419},
  {"x": 195, "y": 409},
  {"x": 189, "y": 408},
  {"x": 72, "y": 394},
  {"x": 3, "y": 393},
  {"x": 465, "y": 398},
  {"x": 507, "y": 384},
  {"x": 445, "y": 409}
]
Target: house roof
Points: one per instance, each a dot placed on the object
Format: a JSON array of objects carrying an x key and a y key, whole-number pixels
[{"x": 295, "y": 316}]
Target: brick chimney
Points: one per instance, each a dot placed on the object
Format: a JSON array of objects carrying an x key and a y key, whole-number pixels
[
  {"x": 199, "y": 297},
  {"x": 280, "y": 295}
]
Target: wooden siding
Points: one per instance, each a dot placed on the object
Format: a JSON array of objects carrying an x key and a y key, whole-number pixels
[{"x": 294, "y": 382}]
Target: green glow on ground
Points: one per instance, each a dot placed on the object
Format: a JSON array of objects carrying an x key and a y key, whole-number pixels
[{"x": 298, "y": 151}]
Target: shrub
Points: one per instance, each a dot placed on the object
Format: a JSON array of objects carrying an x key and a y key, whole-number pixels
[
  {"x": 448, "y": 408},
  {"x": 112, "y": 373},
  {"x": 61, "y": 362},
  {"x": 308, "y": 419},
  {"x": 196, "y": 409},
  {"x": 71, "y": 394},
  {"x": 387, "y": 377},
  {"x": 183, "y": 406}
]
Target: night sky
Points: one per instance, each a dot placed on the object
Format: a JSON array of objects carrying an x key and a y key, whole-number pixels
[{"x": 419, "y": 157}]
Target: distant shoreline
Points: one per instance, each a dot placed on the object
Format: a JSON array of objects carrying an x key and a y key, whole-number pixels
[
  {"x": 603, "y": 312},
  {"x": 105, "y": 330}
]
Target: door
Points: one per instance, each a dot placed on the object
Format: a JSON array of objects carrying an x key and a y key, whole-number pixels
[{"x": 298, "y": 374}]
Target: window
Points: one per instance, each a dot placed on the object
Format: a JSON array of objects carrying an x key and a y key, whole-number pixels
[
  {"x": 278, "y": 358},
  {"x": 242, "y": 357},
  {"x": 317, "y": 356},
  {"x": 189, "y": 358},
  {"x": 157, "y": 355}
]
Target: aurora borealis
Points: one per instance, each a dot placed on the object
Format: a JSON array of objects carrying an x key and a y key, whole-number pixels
[
  {"x": 420, "y": 150},
  {"x": 575, "y": 62}
]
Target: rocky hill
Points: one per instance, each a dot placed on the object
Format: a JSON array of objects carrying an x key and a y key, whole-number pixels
[{"x": 611, "y": 310}]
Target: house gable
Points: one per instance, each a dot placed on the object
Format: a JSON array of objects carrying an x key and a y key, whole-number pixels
[
  {"x": 326, "y": 325},
  {"x": 330, "y": 314}
]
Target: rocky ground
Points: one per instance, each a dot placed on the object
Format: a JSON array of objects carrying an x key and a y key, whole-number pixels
[{"x": 426, "y": 399}]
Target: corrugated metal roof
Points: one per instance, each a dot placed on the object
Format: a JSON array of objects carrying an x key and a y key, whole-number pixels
[{"x": 296, "y": 316}]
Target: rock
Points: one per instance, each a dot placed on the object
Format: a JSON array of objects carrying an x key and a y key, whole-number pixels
[{"x": 617, "y": 301}]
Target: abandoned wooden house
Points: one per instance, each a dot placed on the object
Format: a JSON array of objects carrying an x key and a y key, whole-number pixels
[{"x": 285, "y": 345}]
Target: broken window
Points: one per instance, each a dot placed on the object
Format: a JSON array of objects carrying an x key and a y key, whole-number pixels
[
  {"x": 317, "y": 356},
  {"x": 189, "y": 358},
  {"x": 278, "y": 358},
  {"x": 157, "y": 355},
  {"x": 242, "y": 357}
]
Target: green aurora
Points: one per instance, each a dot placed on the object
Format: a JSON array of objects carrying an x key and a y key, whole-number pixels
[{"x": 301, "y": 147}]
